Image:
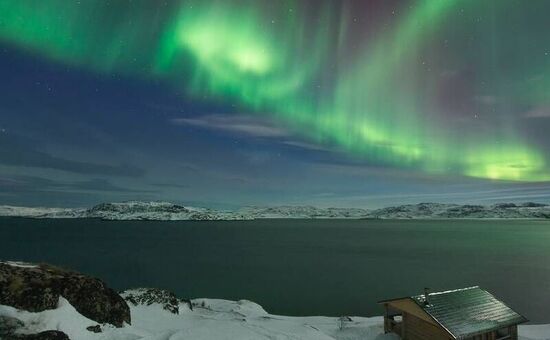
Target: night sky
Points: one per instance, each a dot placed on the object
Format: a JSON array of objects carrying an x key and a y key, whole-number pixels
[{"x": 231, "y": 103}]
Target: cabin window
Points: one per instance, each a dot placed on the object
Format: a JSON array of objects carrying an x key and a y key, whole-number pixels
[
  {"x": 393, "y": 320},
  {"x": 503, "y": 333}
]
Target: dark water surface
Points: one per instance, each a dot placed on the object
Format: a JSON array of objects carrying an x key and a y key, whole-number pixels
[{"x": 299, "y": 267}]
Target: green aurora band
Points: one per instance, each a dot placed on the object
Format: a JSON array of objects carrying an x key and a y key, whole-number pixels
[{"x": 373, "y": 103}]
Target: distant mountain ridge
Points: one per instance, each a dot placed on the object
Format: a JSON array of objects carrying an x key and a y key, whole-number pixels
[
  {"x": 166, "y": 211},
  {"x": 527, "y": 210}
]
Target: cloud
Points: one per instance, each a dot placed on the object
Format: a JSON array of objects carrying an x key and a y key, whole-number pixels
[
  {"x": 40, "y": 191},
  {"x": 514, "y": 194},
  {"x": 486, "y": 99},
  {"x": 170, "y": 185},
  {"x": 235, "y": 124},
  {"x": 306, "y": 145},
  {"x": 249, "y": 126},
  {"x": 19, "y": 184},
  {"x": 538, "y": 112},
  {"x": 17, "y": 151},
  {"x": 100, "y": 184}
]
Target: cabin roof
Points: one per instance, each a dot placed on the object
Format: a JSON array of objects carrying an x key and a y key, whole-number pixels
[{"x": 466, "y": 312}]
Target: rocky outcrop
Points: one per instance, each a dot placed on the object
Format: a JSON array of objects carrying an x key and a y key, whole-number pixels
[
  {"x": 8, "y": 326},
  {"x": 149, "y": 296},
  {"x": 94, "y": 329},
  {"x": 46, "y": 335},
  {"x": 35, "y": 288}
]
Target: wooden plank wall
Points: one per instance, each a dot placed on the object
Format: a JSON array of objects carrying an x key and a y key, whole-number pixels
[{"x": 418, "y": 329}]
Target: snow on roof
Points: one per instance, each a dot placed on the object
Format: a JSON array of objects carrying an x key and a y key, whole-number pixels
[{"x": 467, "y": 312}]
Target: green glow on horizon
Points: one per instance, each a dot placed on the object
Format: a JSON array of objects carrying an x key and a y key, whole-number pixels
[
  {"x": 511, "y": 163},
  {"x": 374, "y": 107}
]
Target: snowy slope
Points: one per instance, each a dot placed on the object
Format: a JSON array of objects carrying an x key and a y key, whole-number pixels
[{"x": 213, "y": 319}]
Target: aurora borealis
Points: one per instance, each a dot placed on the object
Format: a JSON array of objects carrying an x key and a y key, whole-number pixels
[{"x": 442, "y": 88}]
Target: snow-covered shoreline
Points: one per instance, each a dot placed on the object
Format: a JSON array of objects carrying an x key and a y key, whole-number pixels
[
  {"x": 214, "y": 319},
  {"x": 42, "y": 301},
  {"x": 166, "y": 211}
]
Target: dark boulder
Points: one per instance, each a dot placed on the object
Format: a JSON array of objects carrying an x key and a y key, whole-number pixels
[
  {"x": 8, "y": 326},
  {"x": 46, "y": 335},
  {"x": 35, "y": 288},
  {"x": 94, "y": 329},
  {"x": 149, "y": 296}
]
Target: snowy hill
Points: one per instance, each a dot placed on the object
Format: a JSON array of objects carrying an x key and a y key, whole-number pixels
[
  {"x": 166, "y": 211},
  {"x": 299, "y": 212},
  {"x": 437, "y": 210},
  {"x": 11, "y": 211},
  {"x": 132, "y": 210}
]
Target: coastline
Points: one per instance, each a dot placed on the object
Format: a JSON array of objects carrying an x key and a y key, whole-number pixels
[{"x": 155, "y": 314}]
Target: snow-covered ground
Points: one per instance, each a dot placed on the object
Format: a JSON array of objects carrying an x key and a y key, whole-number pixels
[{"x": 213, "y": 319}]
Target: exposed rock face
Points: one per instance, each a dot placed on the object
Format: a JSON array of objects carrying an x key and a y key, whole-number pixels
[
  {"x": 8, "y": 326},
  {"x": 94, "y": 329},
  {"x": 35, "y": 288},
  {"x": 46, "y": 335},
  {"x": 149, "y": 296}
]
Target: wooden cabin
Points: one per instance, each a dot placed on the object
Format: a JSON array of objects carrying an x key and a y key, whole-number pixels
[{"x": 465, "y": 314}]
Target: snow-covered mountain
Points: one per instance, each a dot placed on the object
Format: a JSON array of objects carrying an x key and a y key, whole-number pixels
[
  {"x": 441, "y": 211},
  {"x": 289, "y": 211},
  {"x": 40, "y": 212},
  {"x": 165, "y": 211},
  {"x": 132, "y": 210},
  {"x": 162, "y": 211}
]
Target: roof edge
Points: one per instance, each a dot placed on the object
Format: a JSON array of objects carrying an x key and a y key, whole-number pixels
[
  {"x": 395, "y": 299},
  {"x": 434, "y": 293},
  {"x": 469, "y": 335}
]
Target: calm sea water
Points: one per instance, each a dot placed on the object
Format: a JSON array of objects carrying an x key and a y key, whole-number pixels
[{"x": 299, "y": 267}]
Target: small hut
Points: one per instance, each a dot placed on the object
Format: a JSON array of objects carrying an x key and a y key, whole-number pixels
[{"x": 465, "y": 314}]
